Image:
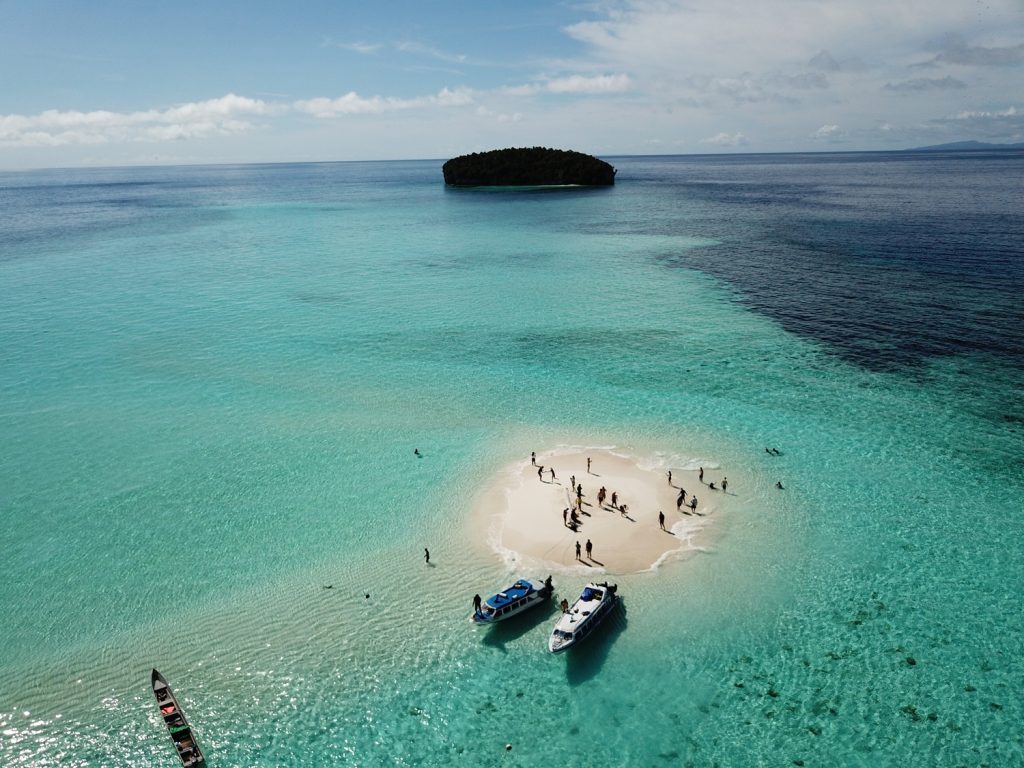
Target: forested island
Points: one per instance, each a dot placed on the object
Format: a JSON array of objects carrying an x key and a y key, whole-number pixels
[{"x": 536, "y": 166}]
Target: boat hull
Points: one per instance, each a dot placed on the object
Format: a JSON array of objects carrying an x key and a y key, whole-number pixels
[
  {"x": 512, "y": 601},
  {"x": 594, "y": 605},
  {"x": 177, "y": 726}
]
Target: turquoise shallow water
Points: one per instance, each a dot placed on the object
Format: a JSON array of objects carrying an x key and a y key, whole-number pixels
[{"x": 212, "y": 380}]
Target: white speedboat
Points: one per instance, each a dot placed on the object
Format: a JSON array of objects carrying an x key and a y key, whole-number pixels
[
  {"x": 512, "y": 600},
  {"x": 594, "y": 603}
]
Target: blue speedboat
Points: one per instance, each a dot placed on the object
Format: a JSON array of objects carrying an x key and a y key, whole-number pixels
[{"x": 510, "y": 601}]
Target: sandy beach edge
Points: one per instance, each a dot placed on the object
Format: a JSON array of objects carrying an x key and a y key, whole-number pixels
[{"x": 522, "y": 511}]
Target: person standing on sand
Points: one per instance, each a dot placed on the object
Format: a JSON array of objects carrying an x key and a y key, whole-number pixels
[
  {"x": 700, "y": 474},
  {"x": 426, "y": 555},
  {"x": 680, "y": 499},
  {"x": 590, "y": 550},
  {"x": 725, "y": 484},
  {"x": 670, "y": 477},
  {"x": 572, "y": 481},
  {"x": 540, "y": 472},
  {"x": 588, "y": 465},
  {"x": 615, "y": 499},
  {"x": 565, "y": 516},
  {"x": 552, "y": 471},
  {"x": 577, "y": 550},
  {"x": 661, "y": 519},
  {"x": 533, "y": 457},
  {"x": 601, "y": 496},
  {"x": 693, "y": 504}
]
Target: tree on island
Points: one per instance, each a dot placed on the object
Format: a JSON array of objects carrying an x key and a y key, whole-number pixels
[{"x": 536, "y": 166}]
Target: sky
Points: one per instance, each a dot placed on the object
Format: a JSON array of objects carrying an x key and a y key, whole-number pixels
[{"x": 140, "y": 82}]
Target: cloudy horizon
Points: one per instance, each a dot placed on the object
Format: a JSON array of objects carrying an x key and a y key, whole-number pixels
[{"x": 233, "y": 84}]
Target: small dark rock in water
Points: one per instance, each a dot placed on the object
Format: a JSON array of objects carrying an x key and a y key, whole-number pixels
[
  {"x": 993, "y": 705},
  {"x": 738, "y": 685},
  {"x": 814, "y": 729},
  {"x": 527, "y": 167},
  {"x": 508, "y": 747},
  {"x": 798, "y": 762},
  {"x": 933, "y": 716},
  {"x": 911, "y": 661},
  {"x": 970, "y": 688},
  {"x": 773, "y": 693},
  {"x": 328, "y": 586},
  {"x": 912, "y": 711}
]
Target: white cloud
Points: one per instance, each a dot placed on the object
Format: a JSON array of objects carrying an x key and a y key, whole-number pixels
[
  {"x": 572, "y": 84},
  {"x": 829, "y": 133},
  {"x": 974, "y": 115},
  {"x": 354, "y": 104},
  {"x": 582, "y": 84},
  {"x": 192, "y": 120},
  {"x": 999, "y": 125},
  {"x": 727, "y": 140},
  {"x": 774, "y": 66}
]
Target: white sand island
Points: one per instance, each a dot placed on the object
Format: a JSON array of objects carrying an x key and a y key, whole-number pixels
[{"x": 525, "y": 510}]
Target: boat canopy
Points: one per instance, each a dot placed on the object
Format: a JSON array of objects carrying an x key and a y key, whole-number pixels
[{"x": 517, "y": 591}]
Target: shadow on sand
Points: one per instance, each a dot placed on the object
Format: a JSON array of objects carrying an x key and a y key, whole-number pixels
[
  {"x": 585, "y": 661},
  {"x": 511, "y": 629}
]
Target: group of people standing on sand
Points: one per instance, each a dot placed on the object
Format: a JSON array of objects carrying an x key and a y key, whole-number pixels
[
  {"x": 613, "y": 502},
  {"x": 681, "y": 501}
]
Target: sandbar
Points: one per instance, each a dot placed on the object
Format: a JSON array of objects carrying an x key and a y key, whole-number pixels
[{"x": 524, "y": 509}]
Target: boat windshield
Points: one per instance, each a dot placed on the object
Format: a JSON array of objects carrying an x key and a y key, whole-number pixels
[{"x": 591, "y": 594}]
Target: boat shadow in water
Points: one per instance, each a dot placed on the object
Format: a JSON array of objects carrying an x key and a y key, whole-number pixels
[
  {"x": 585, "y": 661},
  {"x": 514, "y": 627}
]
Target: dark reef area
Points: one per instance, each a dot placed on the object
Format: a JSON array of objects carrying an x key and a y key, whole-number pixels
[{"x": 536, "y": 166}]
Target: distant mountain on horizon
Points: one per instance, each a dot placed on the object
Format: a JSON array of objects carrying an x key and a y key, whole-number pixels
[{"x": 955, "y": 145}]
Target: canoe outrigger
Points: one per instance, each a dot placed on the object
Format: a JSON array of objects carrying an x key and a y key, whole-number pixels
[
  {"x": 510, "y": 601},
  {"x": 577, "y": 621},
  {"x": 189, "y": 752}
]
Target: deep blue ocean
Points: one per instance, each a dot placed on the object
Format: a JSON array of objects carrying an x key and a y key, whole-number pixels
[{"x": 212, "y": 379}]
